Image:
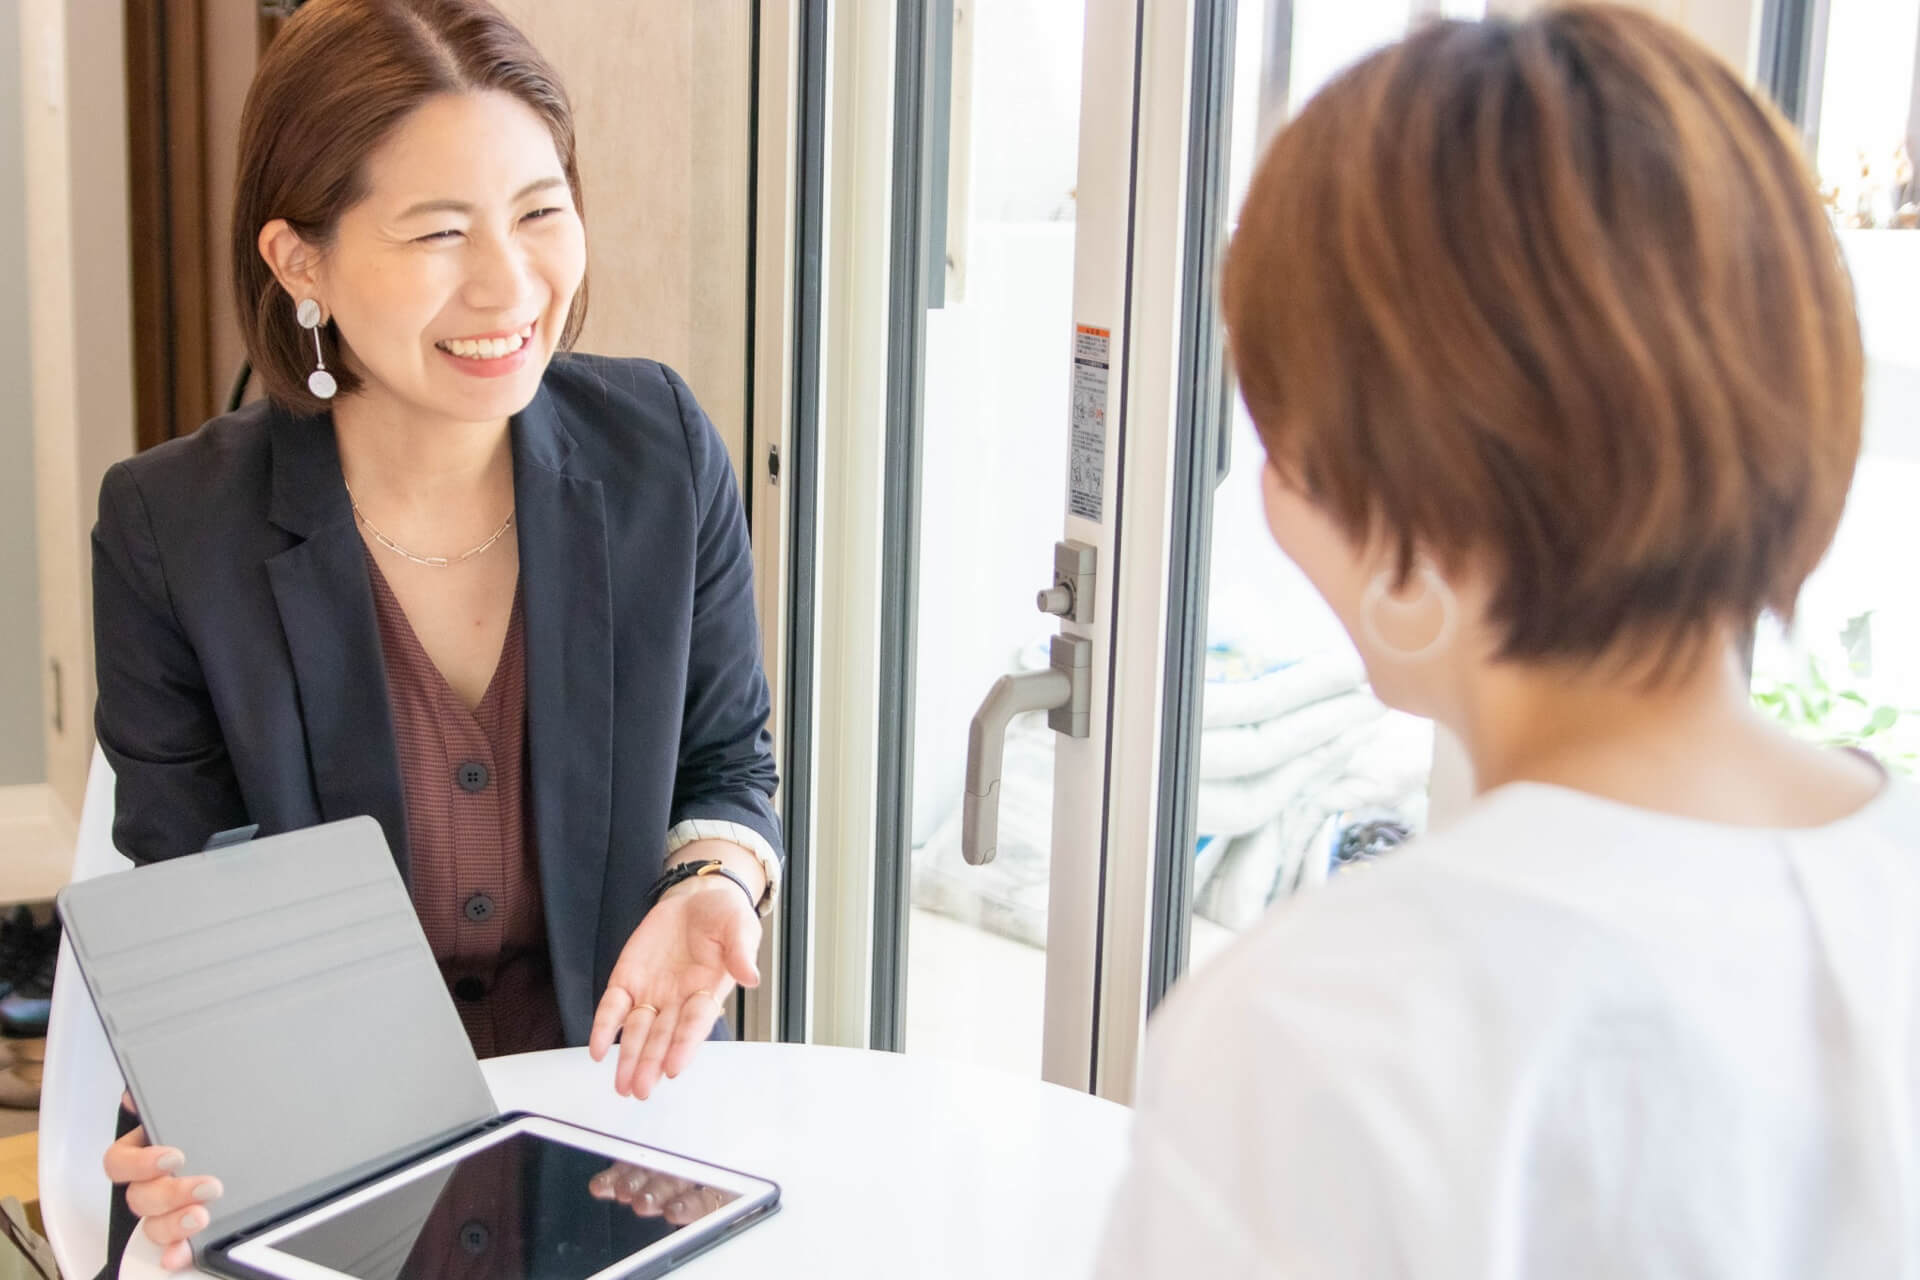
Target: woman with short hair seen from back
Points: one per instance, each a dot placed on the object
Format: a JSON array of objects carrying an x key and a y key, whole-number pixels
[{"x": 1555, "y": 361}]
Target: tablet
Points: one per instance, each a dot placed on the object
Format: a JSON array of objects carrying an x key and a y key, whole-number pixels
[{"x": 527, "y": 1197}]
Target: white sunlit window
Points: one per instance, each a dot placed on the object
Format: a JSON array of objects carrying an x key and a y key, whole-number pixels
[{"x": 1849, "y": 672}]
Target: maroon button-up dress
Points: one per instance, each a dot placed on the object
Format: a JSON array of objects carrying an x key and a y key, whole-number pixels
[{"x": 472, "y": 866}]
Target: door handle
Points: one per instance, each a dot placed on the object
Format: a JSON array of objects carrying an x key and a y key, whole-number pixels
[{"x": 1064, "y": 690}]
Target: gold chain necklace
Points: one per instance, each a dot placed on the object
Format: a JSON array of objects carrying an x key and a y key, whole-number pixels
[{"x": 432, "y": 562}]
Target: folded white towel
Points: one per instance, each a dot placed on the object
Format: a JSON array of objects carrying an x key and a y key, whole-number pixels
[
  {"x": 1244, "y": 750},
  {"x": 1242, "y": 688},
  {"x": 1235, "y": 806}
]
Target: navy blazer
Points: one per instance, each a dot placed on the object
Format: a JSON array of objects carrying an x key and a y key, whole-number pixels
[{"x": 240, "y": 672}]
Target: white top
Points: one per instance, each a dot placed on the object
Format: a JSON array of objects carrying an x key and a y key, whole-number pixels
[
  {"x": 1567, "y": 1038},
  {"x": 890, "y": 1165}
]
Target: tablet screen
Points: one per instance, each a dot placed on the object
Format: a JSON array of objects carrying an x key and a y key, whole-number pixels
[{"x": 524, "y": 1206}]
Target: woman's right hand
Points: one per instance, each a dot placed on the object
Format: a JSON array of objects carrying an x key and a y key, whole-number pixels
[{"x": 171, "y": 1207}]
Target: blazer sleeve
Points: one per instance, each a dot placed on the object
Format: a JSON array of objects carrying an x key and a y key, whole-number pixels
[
  {"x": 726, "y": 768},
  {"x": 174, "y": 782}
]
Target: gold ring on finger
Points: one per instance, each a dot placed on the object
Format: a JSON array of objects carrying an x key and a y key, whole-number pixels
[
  {"x": 708, "y": 994},
  {"x": 653, "y": 1009}
]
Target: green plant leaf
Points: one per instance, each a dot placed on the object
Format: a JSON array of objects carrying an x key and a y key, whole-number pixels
[{"x": 1857, "y": 638}]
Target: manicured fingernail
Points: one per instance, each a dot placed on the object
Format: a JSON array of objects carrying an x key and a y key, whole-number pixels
[
  {"x": 208, "y": 1191},
  {"x": 172, "y": 1162},
  {"x": 194, "y": 1220}
]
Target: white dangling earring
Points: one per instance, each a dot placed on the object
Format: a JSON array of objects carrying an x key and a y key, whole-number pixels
[
  {"x": 320, "y": 382},
  {"x": 1381, "y": 588}
]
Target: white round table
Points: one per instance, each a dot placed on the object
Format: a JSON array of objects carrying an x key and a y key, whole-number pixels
[{"x": 888, "y": 1164}]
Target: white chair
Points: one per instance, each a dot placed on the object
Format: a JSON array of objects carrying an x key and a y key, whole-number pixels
[{"x": 80, "y": 1093}]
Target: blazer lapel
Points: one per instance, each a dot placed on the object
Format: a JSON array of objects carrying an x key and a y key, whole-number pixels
[
  {"x": 566, "y": 589},
  {"x": 326, "y": 610}
]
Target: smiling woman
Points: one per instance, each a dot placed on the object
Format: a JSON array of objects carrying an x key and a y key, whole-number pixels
[
  {"x": 311, "y": 609},
  {"x": 452, "y": 266}
]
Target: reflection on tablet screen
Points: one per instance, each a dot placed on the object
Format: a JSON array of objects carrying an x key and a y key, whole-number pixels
[{"x": 522, "y": 1207}]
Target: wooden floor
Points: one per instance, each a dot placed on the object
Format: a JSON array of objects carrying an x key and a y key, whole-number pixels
[
  {"x": 14, "y": 1121},
  {"x": 19, "y": 1173}
]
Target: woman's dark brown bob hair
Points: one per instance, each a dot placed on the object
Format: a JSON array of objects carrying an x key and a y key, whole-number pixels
[
  {"x": 330, "y": 89},
  {"x": 1556, "y": 299}
]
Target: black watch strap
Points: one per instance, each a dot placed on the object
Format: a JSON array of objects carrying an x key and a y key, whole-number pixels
[{"x": 691, "y": 870}]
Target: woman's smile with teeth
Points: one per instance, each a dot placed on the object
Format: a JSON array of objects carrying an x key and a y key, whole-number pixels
[{"x": 486, "y": 348}]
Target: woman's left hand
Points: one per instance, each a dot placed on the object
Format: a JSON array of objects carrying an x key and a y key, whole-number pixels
[{"x": 672, "y": 980}]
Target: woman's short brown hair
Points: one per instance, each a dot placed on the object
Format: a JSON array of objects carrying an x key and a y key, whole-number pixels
[
  {"x": 330, "y": 89},
  {"x": 1556, "y": 296}
]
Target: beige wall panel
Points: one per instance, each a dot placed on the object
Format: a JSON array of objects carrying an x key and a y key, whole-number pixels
[
  {"x": 722, "y": 99},
  {"x": 232, "y": 33},
  {"x": 625, "y": 66},
  {"x": 660, "y": 96}
]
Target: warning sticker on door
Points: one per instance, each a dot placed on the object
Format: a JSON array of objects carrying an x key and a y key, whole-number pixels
[{"x": 1087, "y": 459}]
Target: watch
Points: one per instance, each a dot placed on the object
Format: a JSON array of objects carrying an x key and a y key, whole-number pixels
[
  {"x": 693, "y": 870},
  {"x": 689, "y": 830}
]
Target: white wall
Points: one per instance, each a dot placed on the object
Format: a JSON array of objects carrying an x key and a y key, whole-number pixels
[
  {"x": 79, "y": 306},
  {"x": 22, "y": 757}
]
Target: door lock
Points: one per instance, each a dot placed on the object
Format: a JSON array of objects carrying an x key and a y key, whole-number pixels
[{"x": 1071, "y": 595}]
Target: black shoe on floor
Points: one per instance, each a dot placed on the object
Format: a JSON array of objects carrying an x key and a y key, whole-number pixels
[
  {"x": 19, "y": 947},
  {"x": 25, "y": 1011}
]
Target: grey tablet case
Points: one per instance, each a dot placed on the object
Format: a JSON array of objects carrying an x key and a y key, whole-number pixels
[{"x": 234, "y": 987}]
